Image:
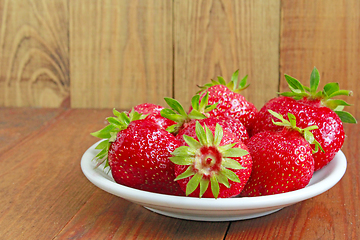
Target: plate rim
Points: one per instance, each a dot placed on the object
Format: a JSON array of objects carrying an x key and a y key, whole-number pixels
[{"x": 338, "y": 166}]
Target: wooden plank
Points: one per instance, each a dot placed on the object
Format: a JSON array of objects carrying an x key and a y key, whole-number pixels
[
  {"x": 16, "y": 124},
  {"x": 213, "y": 38},
  {"x": 34, "y": 61},
  {"x": 42, "y": 186},
  {"x": 324, "y": 34},
  {"x": 108, "y": 217},
  {"x": 120, "y": 52},
  {"x": 315, "y": 218}
]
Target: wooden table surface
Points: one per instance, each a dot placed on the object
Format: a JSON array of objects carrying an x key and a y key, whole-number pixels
[{"x": 44, "y": 194}]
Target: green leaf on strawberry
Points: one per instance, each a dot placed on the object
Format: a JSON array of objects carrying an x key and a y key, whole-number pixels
[
  {"x": 299, "y": 91},
  {"x": 234, "y": 84},
  {"x": 208, "y": 162},
  {"x": 177, "y": 113},
  {"x": 291, "y": 123}
]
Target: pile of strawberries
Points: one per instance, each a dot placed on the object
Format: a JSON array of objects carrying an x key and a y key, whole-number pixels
[{"x": 223, "y": 146}]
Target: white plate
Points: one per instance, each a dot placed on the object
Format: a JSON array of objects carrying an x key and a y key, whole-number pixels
[{"x": 207, "y": 209}]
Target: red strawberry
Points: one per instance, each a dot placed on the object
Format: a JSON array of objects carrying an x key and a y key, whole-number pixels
[
  {"x": 230, "y": 102},
  {"x": 206, "y": 157},
  {"x": 137, "y": 151},
  {"x": 230, "y": 125},
  {"x": 282, "y": 161},
  {"x": 153, "y": 112},
  {"x": 311, "y": 108}
]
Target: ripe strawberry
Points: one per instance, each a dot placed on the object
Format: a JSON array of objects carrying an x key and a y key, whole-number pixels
[
  {"x": 230, "y": 102},
  {"x": 153, "y": 113},
  {"x": 137, "y": 151},
  {"x": 199, "y": 113},
  {"x": 206, "y": 157},
  {"x": 230, "y": 125},
  {"x": 282, "y": 160},
  {"x": 311, "y": 108}
]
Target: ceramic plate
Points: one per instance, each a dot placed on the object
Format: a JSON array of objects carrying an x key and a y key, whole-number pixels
[{"x": 206, "y": 209}]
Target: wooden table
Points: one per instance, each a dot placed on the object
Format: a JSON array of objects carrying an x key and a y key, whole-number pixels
[{"x": 44, "y": 194}]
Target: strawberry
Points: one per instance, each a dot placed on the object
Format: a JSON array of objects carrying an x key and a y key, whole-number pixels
[
  {"x": 282, "y": 160},
  {"x": 230, "y": 125},
  {"x": 230, "y": 102},
  {"x": 206, "y": 157},
  {"x": 153, "y": 113},
  {"x": 137, "y": 151},
  {"x": 200, "y": 113},
  {"x": 311, "y": 107}
]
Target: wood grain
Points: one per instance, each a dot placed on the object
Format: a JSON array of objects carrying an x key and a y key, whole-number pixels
[
  {"x": 34, "y": 60},
  {"x": 324, "y": 34},
  {"x": 121, "y": 52},
  {"x": 42, "y": 185},
  {"x": 125, "y": 220},
  {"x": 214, "y": 38},
  {"x": 17, "y": 124}
]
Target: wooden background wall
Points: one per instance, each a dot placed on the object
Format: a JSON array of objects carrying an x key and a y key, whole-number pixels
[{"x": 118, "y": 53}]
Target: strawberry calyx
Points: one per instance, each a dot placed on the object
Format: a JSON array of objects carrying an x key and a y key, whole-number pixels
[
  {"x": 234, "y": 84},
  {"x": 299, "y": 91},
  {"x": 116, "y": 124},
  {"x": 209, "y": 163},
  {"x": 177, "y": 113},
  {"x": 305, "y": 132}
]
